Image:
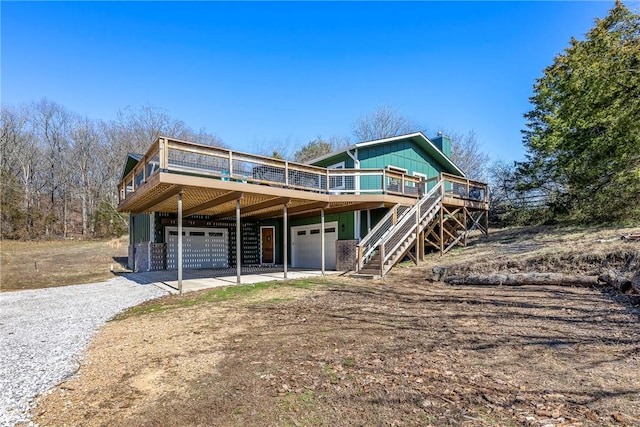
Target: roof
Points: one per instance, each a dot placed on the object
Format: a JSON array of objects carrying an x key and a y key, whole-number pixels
[
  {"x": 130, "y": 163},
  {"x": 417, "y": 137}
]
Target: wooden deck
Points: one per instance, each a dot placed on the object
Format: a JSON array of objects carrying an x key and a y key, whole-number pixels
[{"x": 212, "y": 179}]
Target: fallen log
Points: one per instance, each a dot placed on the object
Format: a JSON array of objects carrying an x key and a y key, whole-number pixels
[
  {"x": 632, "y": 236},
  {"x": 522, "y": 279},
  {"x": 616, "y": 280},
  {"x": 635, "y": 282}
]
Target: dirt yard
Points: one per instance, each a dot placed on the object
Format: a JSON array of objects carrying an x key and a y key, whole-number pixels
[
  {"x": 44, "y": 264},
  {"x": 401, "y": 351}
]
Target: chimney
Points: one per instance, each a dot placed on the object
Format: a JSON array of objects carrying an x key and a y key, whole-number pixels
[{"x": 443, "y": 143}]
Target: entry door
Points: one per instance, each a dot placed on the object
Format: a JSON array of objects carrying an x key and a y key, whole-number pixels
[{"x": 268, "y": 245}]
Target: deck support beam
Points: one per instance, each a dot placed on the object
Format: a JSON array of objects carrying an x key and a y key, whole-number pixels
[
  {"x": 180, "y": 243},
  {"x": 238, "y": 244}
]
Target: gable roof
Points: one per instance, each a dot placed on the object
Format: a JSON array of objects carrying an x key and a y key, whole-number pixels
[
  {"x": 417, "y": 137},
  {"x": 130, "y": 163}
]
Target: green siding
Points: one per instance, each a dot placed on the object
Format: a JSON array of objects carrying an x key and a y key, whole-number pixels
[
  {"x": 403, "y": 154},
  {"x": 443, "y": 143},
  {"x": 345, "y": 223},
  {"x": 339, "y": 158},
  {"x": 139, "y": 228}
]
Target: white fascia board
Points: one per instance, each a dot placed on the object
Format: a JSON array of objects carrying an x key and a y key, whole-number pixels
[
  {"x": 329, "y": 155},
  {"x": 427, "y": 141}
]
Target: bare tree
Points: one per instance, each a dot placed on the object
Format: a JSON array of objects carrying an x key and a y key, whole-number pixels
[
  {"x": 51, "y": 124},
  {"x": 84, "y": 166},
  {"x": 467, "y": 154},
  {"x": 383, "y": 122}
]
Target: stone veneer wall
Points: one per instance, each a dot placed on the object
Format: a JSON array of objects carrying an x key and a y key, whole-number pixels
[
  {"x": 346, "y": 255},
  {"x": 142, "y": 257}
]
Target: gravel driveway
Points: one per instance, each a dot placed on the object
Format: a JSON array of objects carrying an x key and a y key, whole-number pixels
[{"x": 43, "y": 333}]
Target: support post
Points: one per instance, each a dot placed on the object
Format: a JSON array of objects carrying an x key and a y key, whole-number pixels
[
  {"x": 322, "y": 240},
  {"x": 238, "y": 244},
  {"x": 486, "y": 223},
  {"x": 284, "y": 240},
  {"x": 180, "y": 242},
  {"x": 465, "y": 213},
  {"x": 441, "y": 230},
  {"x": 417, "y": 231}
]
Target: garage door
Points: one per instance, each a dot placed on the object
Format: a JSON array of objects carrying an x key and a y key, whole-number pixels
[
  {"x": 305, "y": 246},
  {"x": 201, "y": 247}
]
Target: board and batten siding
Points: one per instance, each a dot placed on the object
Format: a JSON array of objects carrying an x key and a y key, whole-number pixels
[
  {"x": 402, "y": 154},
  {"x": 139, "y": 228}
]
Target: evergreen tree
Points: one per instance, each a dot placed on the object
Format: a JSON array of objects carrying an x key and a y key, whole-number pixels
[{"x": 583, "y": 134}]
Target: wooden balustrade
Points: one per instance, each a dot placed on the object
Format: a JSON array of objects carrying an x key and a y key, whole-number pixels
[{"x": 175, "y": 156}]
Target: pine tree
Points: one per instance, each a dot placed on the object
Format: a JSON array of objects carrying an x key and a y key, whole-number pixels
[{"x": 583, "y": 134}]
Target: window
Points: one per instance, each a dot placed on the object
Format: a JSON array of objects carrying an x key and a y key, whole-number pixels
[{"x": 419, "y": 175}]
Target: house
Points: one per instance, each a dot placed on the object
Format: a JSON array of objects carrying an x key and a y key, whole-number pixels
[{"x": 361, "y": 208}]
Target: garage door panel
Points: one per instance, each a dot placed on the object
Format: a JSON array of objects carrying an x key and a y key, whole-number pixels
[
  {"x": 201, "y": 248},
  {"x": 306, "y": 244}
]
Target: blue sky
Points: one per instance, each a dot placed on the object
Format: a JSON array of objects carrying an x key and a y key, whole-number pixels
[{"x": 258, "y": 73}]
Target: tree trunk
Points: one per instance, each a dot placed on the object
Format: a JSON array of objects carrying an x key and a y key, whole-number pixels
[
  {"x": 522, "y": 279},
  {"x": 85, "y": 220},
  {"x": 616, "y": 280}
]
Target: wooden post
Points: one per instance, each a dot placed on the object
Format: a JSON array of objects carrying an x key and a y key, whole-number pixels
[
  {"x": 165, "y": 155},
  {"x": 286, "y": 173},
  {"x": 322, "y": 240},
  {"x": 328, "y": 186},
  {"x": 384, "y": 176},
  {"x": 382, "y": 259},
  {"x": 161, "y": 151},
  {"x": 441, "y": 230},
  {"x": 180, "y": 242},
  {"x": 394, "y": 216},
  {"x": 486, "y": 222},
  {"x": 359, "y": 261},
  {"x": 284, "y": 240},
  {"x": 417, "y": 231},
  {"x": 465, "y": 212}
]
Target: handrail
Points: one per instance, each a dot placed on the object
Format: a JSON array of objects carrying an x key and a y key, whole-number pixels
[
  {"x": 367, "y": 245},
  {"x": 463, "y": 188},
  {"x": 172, "y": 155},
  {"x": 406, "y": 226}
]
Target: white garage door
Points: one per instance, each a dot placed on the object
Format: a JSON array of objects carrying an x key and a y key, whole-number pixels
[
  {"x": 305, "y": 246},
  {"x": 201, "y": 247}
]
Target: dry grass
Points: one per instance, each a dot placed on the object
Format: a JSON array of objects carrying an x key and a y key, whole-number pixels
[
  {"x": 397, "y": 351},
  {"x": 42, "y": 264}
]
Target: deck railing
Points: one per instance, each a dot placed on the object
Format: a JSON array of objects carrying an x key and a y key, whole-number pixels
[
  {"x": 170, "y": 155},
  {"x": 462, "y": 188}
]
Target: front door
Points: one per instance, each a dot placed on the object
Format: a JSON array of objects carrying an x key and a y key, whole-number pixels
[{"x": 268, "y": 244}]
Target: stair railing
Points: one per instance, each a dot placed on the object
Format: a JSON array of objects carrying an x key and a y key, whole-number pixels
[
  {"x": 372, "y": 240},
  {"x": 427, "y": 206}
]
